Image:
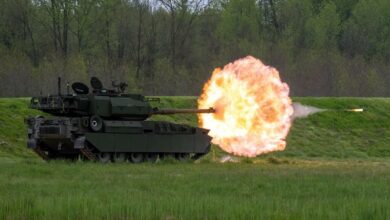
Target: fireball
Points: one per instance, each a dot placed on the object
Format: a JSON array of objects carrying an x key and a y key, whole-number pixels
[{"x": 253, "y": 108}]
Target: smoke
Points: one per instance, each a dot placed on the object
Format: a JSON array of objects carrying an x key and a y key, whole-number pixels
[
  {"x": 302, "y": 111},
  {"x": 228, "y": 158}
]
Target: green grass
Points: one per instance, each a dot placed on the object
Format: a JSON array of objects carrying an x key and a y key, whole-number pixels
[
  {"x": 336, "y": 166},
  {"x": 13, "y": 131},
  {"x": 341, "y": 134},
  {"x": 297, "y": 190}
]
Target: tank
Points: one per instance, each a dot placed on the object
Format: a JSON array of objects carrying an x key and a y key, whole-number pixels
[{"x": 110, "y": 125}]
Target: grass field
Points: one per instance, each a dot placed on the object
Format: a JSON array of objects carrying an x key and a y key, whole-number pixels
[
  {"x": 296, "y": 190},
  {"x": 336, "y": 166}
]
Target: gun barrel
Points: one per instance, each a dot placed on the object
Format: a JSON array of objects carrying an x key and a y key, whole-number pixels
[{"x": 183, "y": 111}]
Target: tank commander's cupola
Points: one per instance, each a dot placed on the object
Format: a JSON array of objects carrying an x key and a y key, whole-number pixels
[
  {"x": 98, "y": 88},
  {"x": 119, "y": 86}
]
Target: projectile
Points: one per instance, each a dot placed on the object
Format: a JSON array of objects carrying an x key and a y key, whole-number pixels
[{"x": 354, "y": 110}]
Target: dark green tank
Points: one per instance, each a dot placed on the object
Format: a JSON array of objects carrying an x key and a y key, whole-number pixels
[{"x": 110, "y": 125}]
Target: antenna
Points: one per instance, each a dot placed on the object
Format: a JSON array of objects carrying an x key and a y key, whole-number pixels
[
  {"x": 59, "y": 86},
  {"x": 67, "y": 88}
]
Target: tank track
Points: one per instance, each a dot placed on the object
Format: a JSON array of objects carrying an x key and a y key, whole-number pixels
[
  {"x": 130, "y": 158},
  {"x": 93, "y": 156},
  {"x": 90, "y": 156}
]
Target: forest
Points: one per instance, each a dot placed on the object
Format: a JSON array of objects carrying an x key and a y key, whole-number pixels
[{"x": 171, "y": 47}]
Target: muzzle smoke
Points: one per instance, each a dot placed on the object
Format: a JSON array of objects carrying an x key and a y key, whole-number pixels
[{"x": 302, "y": 111}]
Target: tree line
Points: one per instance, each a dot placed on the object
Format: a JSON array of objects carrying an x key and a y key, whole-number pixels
[{"x": 170, "y": 47}]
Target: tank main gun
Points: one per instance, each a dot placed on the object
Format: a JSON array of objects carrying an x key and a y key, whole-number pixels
[{"x": 182, "y": 111}]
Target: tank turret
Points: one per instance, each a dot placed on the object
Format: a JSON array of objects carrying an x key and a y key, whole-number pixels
[
  {"x": 110, "y": 125},
  {"x": 103, "y": 103}
]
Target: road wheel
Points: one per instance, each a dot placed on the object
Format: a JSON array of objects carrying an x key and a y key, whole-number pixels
[
  {"x": 104, "y": 157},
  {"x": 96, "y": 123},
  {"x": 136, "y": 157},
  {"x": 151, "y": 157},
  {"x": 119, "y": 157},
  {"x": 182, "y": 156}
]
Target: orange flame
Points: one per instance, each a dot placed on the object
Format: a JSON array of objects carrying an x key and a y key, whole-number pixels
[{"x": 253, "y": 108}]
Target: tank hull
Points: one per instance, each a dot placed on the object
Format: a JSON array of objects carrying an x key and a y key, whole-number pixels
[
  {"x": 71, "y": 137},
  {"x": 143, "y": 143}
]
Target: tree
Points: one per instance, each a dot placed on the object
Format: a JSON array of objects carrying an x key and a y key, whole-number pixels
[
  {"x": 59, "y": 12},
  {"x": 239, "y": 27},
  {"x": 182, "y": 14},
  {"x": 368, "y": 30},
  {"x": 320, "y": 47},
  {"x": 294, "y": 15},
  {"x": 322, "y": 30},
  {"x": 17, "y": 30},
  {"x": 83, "y": 20},
  {"x": 270, "y": 15},
  {"x": 142, "y": 8}
]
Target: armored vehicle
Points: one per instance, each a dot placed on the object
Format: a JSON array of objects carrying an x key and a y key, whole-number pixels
[{"x": 109, "y": 125}]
